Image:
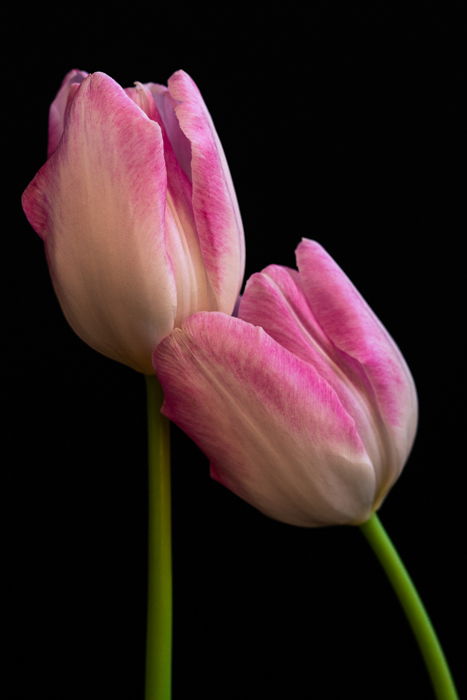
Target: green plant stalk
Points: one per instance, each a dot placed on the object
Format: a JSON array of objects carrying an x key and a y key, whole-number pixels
[
  {"x": 417, "y": 616},
  {"x": 159, "y": 596}
]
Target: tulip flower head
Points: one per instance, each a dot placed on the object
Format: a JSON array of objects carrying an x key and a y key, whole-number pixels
[
  {"x": 304, "y": 404},
  {"x": 138, "y": 212}
]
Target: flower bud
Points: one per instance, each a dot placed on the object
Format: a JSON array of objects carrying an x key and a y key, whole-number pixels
[
  {"x": 304, "y": 405},
  {"x": 137, "y": 211}
]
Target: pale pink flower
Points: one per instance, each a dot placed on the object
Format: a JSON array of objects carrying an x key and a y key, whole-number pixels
[
  {"x": 304, "y": 405},
  {"x": 137, "y": 211}
]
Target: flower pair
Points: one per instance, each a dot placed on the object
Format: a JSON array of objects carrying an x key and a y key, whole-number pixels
[{"x": 303, "y": 403}]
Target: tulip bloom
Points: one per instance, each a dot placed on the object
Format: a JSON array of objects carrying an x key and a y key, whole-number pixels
[
  {"x": 137, "y": 211},
  {"x": 304, "y": 405}
]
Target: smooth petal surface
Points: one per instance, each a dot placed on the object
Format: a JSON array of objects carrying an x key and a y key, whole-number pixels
[
  {"x": 100, "y": 202},
  {"x": 275, "y": 431},
  {"x": 215, "y": 207},
  {"x": 57, "y": 110},
  {"x": 365, "y": 349}
]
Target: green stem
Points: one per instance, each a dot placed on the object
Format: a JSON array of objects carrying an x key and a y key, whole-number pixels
[
  {"x": 159, "y": 610},
  {"x": 416, "y": 614}
]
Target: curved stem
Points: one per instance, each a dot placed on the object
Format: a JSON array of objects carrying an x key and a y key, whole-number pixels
[
  {"x": 159, "y": 599},
  {"x": 414, "y": 609}
]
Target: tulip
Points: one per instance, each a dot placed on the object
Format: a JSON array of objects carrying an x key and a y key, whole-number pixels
[
  {"x": 137, "y": 211},
  {"x": 304, "y": 404}
]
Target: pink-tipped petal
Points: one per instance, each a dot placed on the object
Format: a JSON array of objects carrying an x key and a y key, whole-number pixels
[
  {"x": 99, "y": 202},
  {"x": 58, "y": 107},
  {"x": 365, "y": 349},
  {"x": 276, "y": 433},
  {"x": 274, "y": 300},
  {"x": 215, "y": 207}
]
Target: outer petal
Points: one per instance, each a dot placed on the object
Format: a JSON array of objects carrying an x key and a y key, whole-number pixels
[
  {"x": 58, "y": 107},
  {"x": 215, "y": 207},
  {"x": 366, "y": 350},
  {"x": 99, "y": 202},
  {"x": 275, "y": 431}
]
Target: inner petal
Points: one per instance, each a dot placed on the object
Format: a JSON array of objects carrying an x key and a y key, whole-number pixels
[{"x": 193, "y": 290}]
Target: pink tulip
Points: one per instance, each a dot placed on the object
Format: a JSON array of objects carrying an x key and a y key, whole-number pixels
[
  {"x": 137, "y": 211},
  {"x": 304, "y": 405}
]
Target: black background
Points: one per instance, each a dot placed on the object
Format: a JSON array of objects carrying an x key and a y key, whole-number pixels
[{"x": 339, "y": 125}]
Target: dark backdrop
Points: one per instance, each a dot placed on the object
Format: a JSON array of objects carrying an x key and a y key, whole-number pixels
[{"x": 342, "y": 126}]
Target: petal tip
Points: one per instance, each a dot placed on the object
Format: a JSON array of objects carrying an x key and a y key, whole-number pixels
[{"x": 309, "y": 243}]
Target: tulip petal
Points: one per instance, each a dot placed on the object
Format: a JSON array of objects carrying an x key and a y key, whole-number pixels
[
  {"x": 215, "y": 206},
  {"x": 365, "y": 347},
  {"x": 275, "y": 432},
  {"x": 166, "y": 108},
  {"x": 275, "y": 300},
  {"x": 99, "y": 203},
  {"x": 58, "y": 107},
  {"x": 193, "y": 289}
]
